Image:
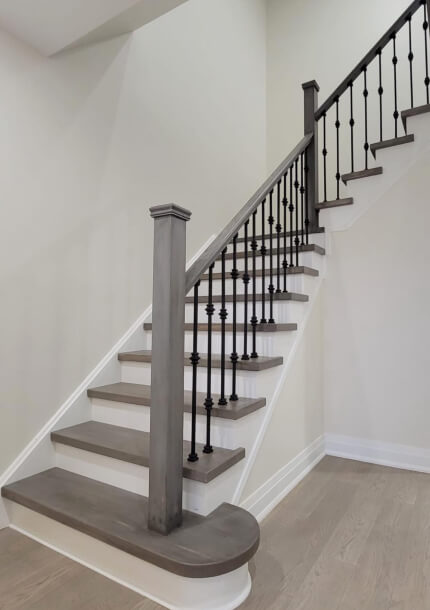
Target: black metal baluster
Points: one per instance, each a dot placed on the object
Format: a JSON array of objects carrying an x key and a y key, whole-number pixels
[
  {"x": 209, "y": 403},
  {"x": 246, "y": 278},
  {"x": 380, "y": 93},
  {"x": 352, "y": 122},
  {"x": 425, "y": 28},
  {"x": 324, "y": 153},
  {"x": 411, "y": 60},
  {"x": 307, "y": 197},
  {"x": 302, "y": 200},
  {"x": 366, "y": 124},
  {"x": 278, "y": 240},
  {"x": 337, "y": 125},
  {"x": 254, "y": 319},
  {"x": 291, "y": 210},
  {"x": 223, "y": 315},
  {"x": 271, "y": 221},
  {"x": 194, "y": 358},
  {"x": 263, "y": 251},
  {"x": 285, "y": 204},
  {"x": 234, "y": 355},
  {"x": 396, "y": 110},
  {"x": 296, "y": 187}
]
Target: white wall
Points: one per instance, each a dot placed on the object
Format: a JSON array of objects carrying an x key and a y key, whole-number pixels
[
  {"x": 90, "y": 140},
  {"x": 298, "y": 417},
  {"x": 376, "y": 320},
  {"x": 310, "y": 39}
]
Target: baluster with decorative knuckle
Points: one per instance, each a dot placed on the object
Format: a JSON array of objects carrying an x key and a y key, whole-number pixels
[
  {"x": 223, "y": 316},
  {"x": 271, "y": 222},
  {"x": 411, "y": 60},
  {"x": 366, "y": 124},
  {"x": 195, "y": 359},
  {"x": 426, "y": 54},
  {"x": 285, "y": 258},
  {"x": 263, "y": 251},
  {"x": 210, "y": 310},
  {"x": 296, "y": 187},
  {"x": 246, "y": 279},
  {"x": 234, "y": 355},
  {"x": 278, "y": 239},
  {"x": 254, "y": 319}
]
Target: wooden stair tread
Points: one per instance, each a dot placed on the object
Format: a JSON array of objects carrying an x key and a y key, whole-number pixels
[
  {"x": 405, "y": 114},
  {"x": 335, "y": 203},
  {"x": 240, "y": 298},
  {"x": 132, "y": 446},
  {"x": 306, "y": 248},
  {"x": 364, "y": 173},
  {"x": 139, "y": 394},
  {"x": 203, "y": 547},
  {"x": 253, "y": 364},
  {"x": 216, "y": 327},
  {"x": 275, "y": 235},
  {"x": 259, "y": 272},
  {"x": 390, "y": 143}
]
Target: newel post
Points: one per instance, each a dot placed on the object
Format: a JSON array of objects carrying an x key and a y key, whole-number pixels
[
  {"x": 167, "y": 370},
  {"x": 311, "y": 127}
]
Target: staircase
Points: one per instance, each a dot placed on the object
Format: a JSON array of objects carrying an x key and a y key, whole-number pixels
[{"x": 139, "y": 483}]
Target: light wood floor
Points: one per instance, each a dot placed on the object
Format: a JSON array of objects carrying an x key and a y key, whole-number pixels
[{"x": 351, "y": 536}]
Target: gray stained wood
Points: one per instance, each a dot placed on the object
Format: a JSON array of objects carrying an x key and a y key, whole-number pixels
[
  {"x": 364, "y": 173},
  {"x": 336, "y": 203},
  {"x": 303, "y": 270},
  {"x": 139, "y": 394},
  {"x": 253, "y": 364},
  {"x": 312, "y": 231},
  {"x": 132, "y": 446},
  {"x": 390, "y": 143},
  {"x": 203, "y": 547},
  {"x": 306, "y": 248},
  {"x": 350, "y": 536},
  {"x": 240, "y": 298},
  {"x": 405, "y": 114},
  {"x": 216, "y": 327}
]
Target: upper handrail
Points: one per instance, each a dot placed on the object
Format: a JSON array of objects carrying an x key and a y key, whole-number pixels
[
  {"x": 216, "y": 248},
  {"x": 382, "y": 42}
]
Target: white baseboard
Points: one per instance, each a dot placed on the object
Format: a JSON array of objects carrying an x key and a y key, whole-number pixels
[
  {"x": 272, "y": 492},
  {"x": 378, "y": 452}
]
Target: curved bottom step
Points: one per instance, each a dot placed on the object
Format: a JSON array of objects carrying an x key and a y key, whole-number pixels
[
  {"x": 203, "y": 547},
  {"x": 225, "y": 592}
]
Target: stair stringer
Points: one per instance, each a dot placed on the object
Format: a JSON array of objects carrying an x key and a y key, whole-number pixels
[
  {"x": 273, "y": 403},
  {"x": 39, "y": 454},
  {"x": 396, "y": 162}
]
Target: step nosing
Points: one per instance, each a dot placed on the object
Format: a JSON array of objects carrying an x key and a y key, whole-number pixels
[{"x": 253, "y": 364}]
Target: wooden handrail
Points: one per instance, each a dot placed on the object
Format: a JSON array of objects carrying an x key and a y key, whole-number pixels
[
  {"x": 382, "y": 42},
  {"x": 214, "y": 250}
]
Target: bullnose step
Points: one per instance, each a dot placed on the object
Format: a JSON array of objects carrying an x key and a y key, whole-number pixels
[
  {"x": 203, "y": 547},
  {"x": 139, "y": 394},
  {"x": 132, "y": 446},
  {"x": 253, "y": 364}
]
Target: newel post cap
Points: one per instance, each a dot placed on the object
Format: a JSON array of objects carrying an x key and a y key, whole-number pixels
[
  {"x": 312, "y": 84},
  {"x": 170, "y": 209}
]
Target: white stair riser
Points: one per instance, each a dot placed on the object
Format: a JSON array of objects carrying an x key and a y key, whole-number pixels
[
  {"x": 268, "y": 343},
  {"x": 224, "y": 592},
  {"x": 252, "y": 384},
  {"x": 295, "y": 283},
  {"x": 198, "y": 497},
  {"x": 225, "y": 433},
  {"x": 283, "y": 311}
]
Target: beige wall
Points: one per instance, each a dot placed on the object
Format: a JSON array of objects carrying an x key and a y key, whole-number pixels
[
  {"x": 297, "y": 418},
  {"x": 376, "y": 320},
  {"x": 90, "y": 140}
]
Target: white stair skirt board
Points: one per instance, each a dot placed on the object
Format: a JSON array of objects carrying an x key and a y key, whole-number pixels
[
  {"x": 225, "y": 433},
  {"x": 396, "y": 162},
  {"x": 224, "y": 592},
  {"x": 273, "y": 491},
  {"x": 39, "y": 454},
  {"x": 201, "y": 498},
  {"x": 378, "y": 452}
]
